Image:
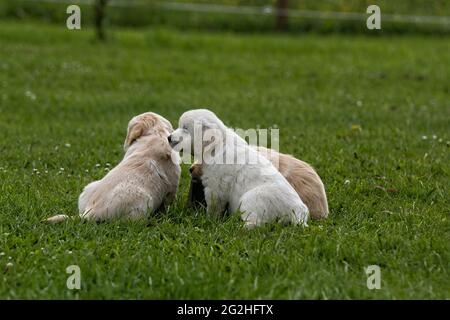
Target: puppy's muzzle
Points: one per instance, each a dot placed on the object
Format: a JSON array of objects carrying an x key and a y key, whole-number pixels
[{"x": 172, "y": 142}]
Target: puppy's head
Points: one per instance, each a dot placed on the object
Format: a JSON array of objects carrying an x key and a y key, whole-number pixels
[
  {"x": 196, "y": 172},
  {"x": 194, "y": 125},
  {"x": 146, "y": 124}
]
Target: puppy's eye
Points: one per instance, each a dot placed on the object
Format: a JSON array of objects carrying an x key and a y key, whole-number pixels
[{"x": 185, "y": 127}]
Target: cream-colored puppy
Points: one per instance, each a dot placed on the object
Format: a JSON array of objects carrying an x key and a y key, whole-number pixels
[
  {"x": 302, "y": 177},
  {"x": 146, "y": 179}
]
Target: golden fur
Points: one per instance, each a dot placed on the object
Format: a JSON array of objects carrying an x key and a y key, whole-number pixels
[
  {"x": 303, "y": 178},
  {"x": 144, "y": 181}
]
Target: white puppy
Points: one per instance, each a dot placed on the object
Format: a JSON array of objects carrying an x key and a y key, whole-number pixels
[
  {"x": 146, "y": 179},
  {"x": 235, "y": 176},
  {"x": 301, "y": 176}
]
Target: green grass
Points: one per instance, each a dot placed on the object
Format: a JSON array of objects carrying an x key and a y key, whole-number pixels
[{"x": 65, "y": 101}]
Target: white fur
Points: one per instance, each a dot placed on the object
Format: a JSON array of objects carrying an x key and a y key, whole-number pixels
[{"x": 255, "y": 188}]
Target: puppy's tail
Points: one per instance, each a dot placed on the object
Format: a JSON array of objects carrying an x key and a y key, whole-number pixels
[{"x": 58, "y": 218}]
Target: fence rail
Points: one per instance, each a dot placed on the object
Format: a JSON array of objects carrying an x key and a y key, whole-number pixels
[{"x": 263, "y": 10}]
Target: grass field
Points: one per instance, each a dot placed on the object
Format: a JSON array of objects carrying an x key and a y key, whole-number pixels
[{"x": 372, "y": 115}]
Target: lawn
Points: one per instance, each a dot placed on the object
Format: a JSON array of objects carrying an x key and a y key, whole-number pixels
[{"x": 371, "y": 114}]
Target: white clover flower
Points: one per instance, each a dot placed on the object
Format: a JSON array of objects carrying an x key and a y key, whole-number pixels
[
  {"x": 67, "y": 145},
  {"x": 347, "y": 181},
  {"x": 30, "y": 95},
  {"x": 424, "y": 137}
]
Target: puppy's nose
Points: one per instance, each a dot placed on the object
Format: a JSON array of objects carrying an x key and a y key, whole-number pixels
[
  {"x": 191, "y": 169},
  {"x": 169, "y": 138}
]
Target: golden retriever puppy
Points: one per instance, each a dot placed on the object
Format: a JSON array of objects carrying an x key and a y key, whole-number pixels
[
  {"x": 144, "y": 181},
  {"x": 303, "y": 178},
  {"x": 305, "y": 181}
]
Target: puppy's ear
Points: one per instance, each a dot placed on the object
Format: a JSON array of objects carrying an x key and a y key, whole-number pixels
[
  {"x": 163, "y": 150},
  {"x": 134, "y": 133},
  {"x": 168, "y": 125},
  {"x": 206, "y": 126}
]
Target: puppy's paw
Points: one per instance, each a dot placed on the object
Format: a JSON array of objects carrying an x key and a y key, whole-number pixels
[
  {"x": 57, "y": 219},
  {"x": 250, "y": 225},
  {"x": 251, "y": 220},
  {"x": 302, "y": 216}
]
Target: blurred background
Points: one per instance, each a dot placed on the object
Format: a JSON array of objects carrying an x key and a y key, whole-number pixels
[{"x": 295, "y": 16}]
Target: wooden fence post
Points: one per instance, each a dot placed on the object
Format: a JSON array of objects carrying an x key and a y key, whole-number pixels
[
  {"x": 100, "y": 8},
  {"x": 282, "y": 18}
]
